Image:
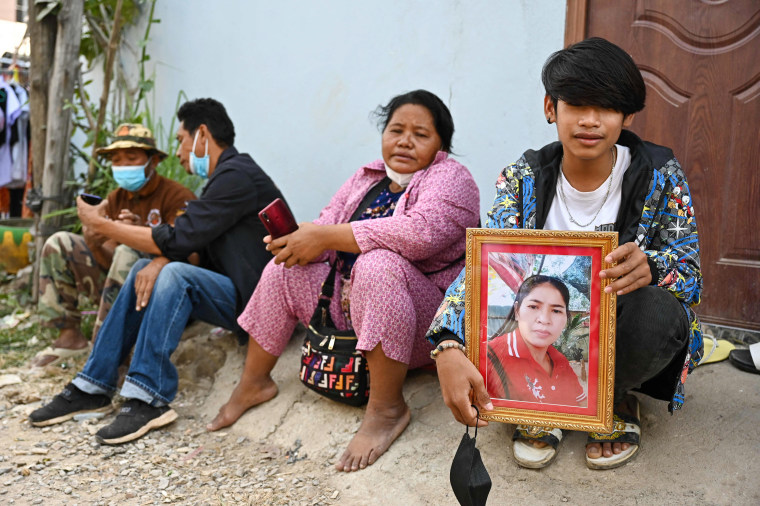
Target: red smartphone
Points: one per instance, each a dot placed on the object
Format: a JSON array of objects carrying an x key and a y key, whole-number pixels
[{"x": 278, "y": 219}]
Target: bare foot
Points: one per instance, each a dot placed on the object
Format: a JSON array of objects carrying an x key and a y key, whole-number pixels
[
  {"x": 245, "y": 396},
  {"x": 379, "y": 428},
  {"x": 597, "y": 450},
  {"x": 70, "y": 339}
]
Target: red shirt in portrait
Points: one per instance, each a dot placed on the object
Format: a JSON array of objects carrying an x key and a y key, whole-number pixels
[{"x": 512, "y": 373}]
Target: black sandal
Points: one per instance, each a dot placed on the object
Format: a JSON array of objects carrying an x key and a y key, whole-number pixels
[{"x": 747, "y": 360}]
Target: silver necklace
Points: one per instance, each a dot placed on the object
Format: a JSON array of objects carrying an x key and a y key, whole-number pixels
[{"x": 564, "y": 199}]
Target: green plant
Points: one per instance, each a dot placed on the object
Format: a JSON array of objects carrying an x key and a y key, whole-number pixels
[
  {"x": 167, "y": 142},
  {"x": 21, "y": 335},
  {"x": 573, "y": 343},
  {"x": 126, "y": 103}
]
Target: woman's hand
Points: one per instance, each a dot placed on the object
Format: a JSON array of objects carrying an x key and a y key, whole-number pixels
[
  {"x": 145, "y": 280},
  {"x": 299, "y": 247},
  {"x": 631, "y": 272},
  {"x": 462, "y": 386},
  {"x": 310, "y": 240}
]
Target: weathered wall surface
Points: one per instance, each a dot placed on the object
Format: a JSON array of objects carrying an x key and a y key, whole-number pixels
[{"x": 300, "y": 78}]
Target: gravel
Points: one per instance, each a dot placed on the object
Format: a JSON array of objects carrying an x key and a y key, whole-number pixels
[{"x": 181, "y": 463}]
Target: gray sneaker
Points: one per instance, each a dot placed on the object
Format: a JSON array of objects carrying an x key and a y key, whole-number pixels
[
  {"x": 70, "y": 402},
  {"x": 134, "y": 420}
]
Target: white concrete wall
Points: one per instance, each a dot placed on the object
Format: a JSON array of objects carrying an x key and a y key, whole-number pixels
[{"x": 299, "y": 78}]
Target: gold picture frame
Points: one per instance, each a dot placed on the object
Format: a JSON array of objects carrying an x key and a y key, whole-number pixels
[{"x": 562, "y": 372}]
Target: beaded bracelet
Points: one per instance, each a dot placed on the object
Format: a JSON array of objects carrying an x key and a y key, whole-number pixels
[{"x": 438, "y": 349}]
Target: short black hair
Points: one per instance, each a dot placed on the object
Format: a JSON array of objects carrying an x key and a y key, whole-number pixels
[
  {"x": 442, "y": 120},
  {"x": 209, "y": 112},
  {"x": 595, "y": 72}
]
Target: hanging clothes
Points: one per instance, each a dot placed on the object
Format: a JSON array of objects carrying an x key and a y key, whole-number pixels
[
  {"x": 11, "y": 108},
  {"x": 20, "y": 140}
]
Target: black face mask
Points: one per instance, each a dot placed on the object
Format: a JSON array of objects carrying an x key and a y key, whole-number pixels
[{"x": 469, "y": 478}]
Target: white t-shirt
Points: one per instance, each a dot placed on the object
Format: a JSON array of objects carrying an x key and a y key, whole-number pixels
[{"x": 583, "y": 205}]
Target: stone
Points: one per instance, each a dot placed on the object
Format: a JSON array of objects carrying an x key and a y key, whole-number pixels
[
  {"x": 88, "y": 416},
  {"x": 9, "y": 379}
]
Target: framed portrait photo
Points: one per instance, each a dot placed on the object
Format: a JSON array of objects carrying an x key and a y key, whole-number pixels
[{"x": 540, "y": 328}]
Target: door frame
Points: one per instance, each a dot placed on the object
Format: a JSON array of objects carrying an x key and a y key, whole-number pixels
[{"x": 575, "y": 21}]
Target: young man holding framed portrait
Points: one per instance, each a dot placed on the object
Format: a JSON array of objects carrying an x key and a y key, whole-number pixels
[{"x": 598, "y": 177}]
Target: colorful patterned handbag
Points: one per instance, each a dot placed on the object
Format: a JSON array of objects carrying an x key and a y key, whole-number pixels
[{"x": 330, "y": 362}]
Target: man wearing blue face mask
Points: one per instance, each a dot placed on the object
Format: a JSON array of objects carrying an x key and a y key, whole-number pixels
[
  {"x": 159, "y": 297},
  {"x": 95, "y": 264}
]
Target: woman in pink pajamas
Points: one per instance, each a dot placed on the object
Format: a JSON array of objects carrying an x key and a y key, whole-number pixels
[{"x": 394, "y": 263}]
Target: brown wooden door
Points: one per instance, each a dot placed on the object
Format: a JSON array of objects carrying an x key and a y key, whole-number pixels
[{"x": 701, "y": 63}]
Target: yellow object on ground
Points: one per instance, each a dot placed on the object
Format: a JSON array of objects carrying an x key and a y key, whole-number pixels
[
  {"x": 14, "y": 250},
  {"x": 720, "y": 353}
]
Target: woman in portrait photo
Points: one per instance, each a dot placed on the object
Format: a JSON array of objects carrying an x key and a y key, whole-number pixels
[{"x": 523, "y": 365}]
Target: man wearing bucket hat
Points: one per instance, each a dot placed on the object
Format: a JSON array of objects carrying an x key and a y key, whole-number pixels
[
  {"x": 159, "y": 298},
  {"x": 94, "y": 264}
]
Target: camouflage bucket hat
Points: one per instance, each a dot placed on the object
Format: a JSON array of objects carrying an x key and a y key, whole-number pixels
[{"x": 132, "y": 135}]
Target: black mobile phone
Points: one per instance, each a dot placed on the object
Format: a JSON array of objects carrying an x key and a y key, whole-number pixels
[
  {"x": 93, "y": 200},
  {"x": 278, "y": 219}
]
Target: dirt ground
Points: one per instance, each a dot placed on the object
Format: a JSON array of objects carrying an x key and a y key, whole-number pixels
[{"x": 282, "y": 452}]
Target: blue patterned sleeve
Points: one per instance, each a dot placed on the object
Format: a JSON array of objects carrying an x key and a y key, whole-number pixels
[
  {"x": 505, "y": 213},
  {"x": 668, "y": 234}
]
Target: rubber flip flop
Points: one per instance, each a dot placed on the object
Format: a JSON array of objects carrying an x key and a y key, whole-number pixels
[
  {"x": 717, "y": 353},
  {"x": 747, "y": 360},
  {"x": 60, "y": 354}
]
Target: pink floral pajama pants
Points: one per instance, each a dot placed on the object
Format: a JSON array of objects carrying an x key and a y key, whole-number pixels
[{"x": 392, "y": 304}]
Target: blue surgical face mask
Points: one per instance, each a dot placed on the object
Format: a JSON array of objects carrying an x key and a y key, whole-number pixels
[
  {"x": 130, "y": 177},
  {"x": 199, "y": 165}
]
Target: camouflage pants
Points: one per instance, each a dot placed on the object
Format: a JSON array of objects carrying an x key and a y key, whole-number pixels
[{"x": 68, "y": 270}]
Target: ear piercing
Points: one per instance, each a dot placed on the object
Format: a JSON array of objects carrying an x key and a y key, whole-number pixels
[{"x": 548, "y": 120}]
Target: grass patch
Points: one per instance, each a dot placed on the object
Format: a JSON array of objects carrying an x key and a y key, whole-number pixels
[{"x": 22, "y": 334}]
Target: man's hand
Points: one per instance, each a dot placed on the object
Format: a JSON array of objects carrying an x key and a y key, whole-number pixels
[
  {"x": 91, "y": 238},
  {"x": 300, "y": 247},
  {"x": 194, "y": 259},
  {"x": 128, "y": 217},
  {"x": 100, "y": 246},
  {"x": 462, "y": 386},
  {"x": 631, "y": 272},
  {"x": 145, "y": 280},
  {"x": 94, "y": 217},
  {"x": 91, "y": 216}
]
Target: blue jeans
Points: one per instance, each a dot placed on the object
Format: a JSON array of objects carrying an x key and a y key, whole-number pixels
[{"x": 181, "y": 291}]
